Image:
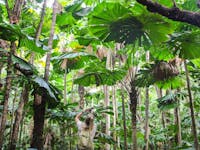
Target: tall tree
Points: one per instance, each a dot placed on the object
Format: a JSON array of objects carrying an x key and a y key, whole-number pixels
[
  {"x": 194, "y": 130},
  {"x": 40, "y": 101},
  {"x": 147, "y": 111},
  {"x": 14, "y": 16},
  {"x": 25, "y": 92}
]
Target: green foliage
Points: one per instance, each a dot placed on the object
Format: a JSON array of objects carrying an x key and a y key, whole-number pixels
[
  {"x": 173, "y": 83},
  {"x": 114, "y": 22},
  {"x": 41, "y": 87},
  {"x": 75, "y": 60},
  {"x": 145, "y": 76},
  {"x": 65, "y": 19},
  {"x": 168, "y": 101},
  {"x": 77, "y": 10},
  {"x": 14, "y": 32},
  {"x": 186, "y": 44},
  {"x": 99, "y": 75},
  {"x": 23, "y": 66}
]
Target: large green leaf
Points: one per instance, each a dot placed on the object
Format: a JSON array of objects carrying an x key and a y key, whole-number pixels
[
  {"x": 73, "y": 55},
  {"x": 11, "y": 32},
  {"x": 23, "y": 66},
  {"x": 77, "y": 9},
  {"x": 75, "y": 60},
  {"x": 186, "y": 45},
  {"x": 52, "y": 92},
  {"x": 99, "y": 75},
  {"x": 114, "y": 22},
  {"x": 168, "y": 101}
]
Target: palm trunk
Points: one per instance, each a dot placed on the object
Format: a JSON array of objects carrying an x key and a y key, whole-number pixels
[
  {"x": 65, "y": 87},
  {"x": 40, "y": 102},
  {"x": 18, "y": 118},
  {"x": 114, "y": 116},
  {"x": 146, "y": 137},
  {"x": 177, "y": 121},
  {"x": 194, "y": 130},
  {"x": 7, "y": 93},
  {"x": 147, "y": 119},
  {"x": 133, "y": 107},
  {"x": 107, "y": 103},
  {"x": 124, "y": 120},
  {"x": 81, "y": 92}
]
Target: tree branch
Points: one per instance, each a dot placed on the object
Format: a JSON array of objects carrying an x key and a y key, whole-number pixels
[{"x": 174, "y": 13}]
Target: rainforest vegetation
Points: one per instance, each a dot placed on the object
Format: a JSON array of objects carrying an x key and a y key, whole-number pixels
[{"x": 134, "y": 63}]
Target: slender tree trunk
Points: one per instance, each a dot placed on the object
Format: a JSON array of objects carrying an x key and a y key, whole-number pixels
[
  {"x": 177, "y": 121},
  {"x": 13, "y": 114},
  {"x": 40, "y": 101},
  {"x": 18, "y": 118},
  {"x": 147, "y": 130},
  {"x": 7, "y": 93},
  {"x": 107, "y": 103},
  {"x": 194, "y": 130},
  {"x": 39, "y": 29},
  {"x": 133, "y": 107},
  {"x": 115, "y": 115},
  {"x": 124, "y": 120},
  {"x": 81, "y": 92},
  {"x": 65, "y": 87},
  {"x": 15, "y": 12}
]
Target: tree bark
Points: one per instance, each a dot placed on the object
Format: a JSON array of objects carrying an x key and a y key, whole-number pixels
[
  {"x": 40, "y": 101},
  {"x": 39, "y": 29},
  {"x": 194, "y": 130},
  {"x": 39, "y": 113},
  {"x": 18, "y": 118},
  {"x": 7, "y": 93},
  {"x": 173, "y": 13},
  {"x": 114, "y": 116},
  {"x": 133, "y": 107},
  {"x": 107, "y": 103},
  {"x": 65, "y": 87},
  {"x": 124, "y": 120},
  {"x": 146, "y": 137},
  {"x": 177, "y": 121},
  {"x": 81, "y": 92},
  {"x": 15, "y": 12}
]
